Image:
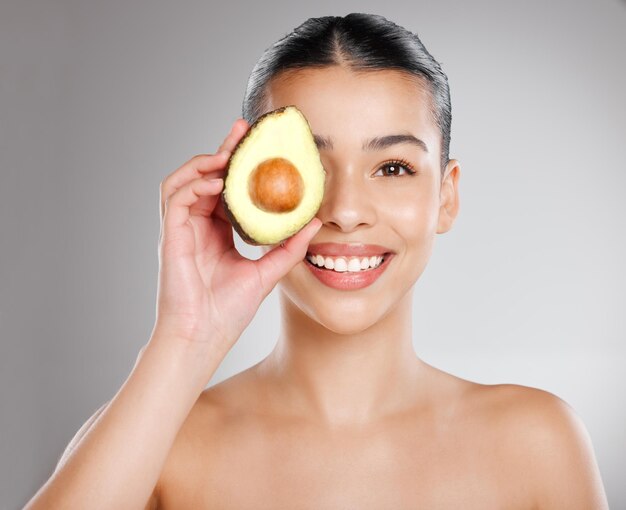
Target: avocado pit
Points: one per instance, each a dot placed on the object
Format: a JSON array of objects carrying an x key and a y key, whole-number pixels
[{"x": 276, "y": 185}]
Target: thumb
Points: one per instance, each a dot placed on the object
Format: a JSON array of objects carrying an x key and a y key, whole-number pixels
[{"x": 277, "y": 262}]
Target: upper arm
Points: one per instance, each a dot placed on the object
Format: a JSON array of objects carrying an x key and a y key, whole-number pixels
[{"x": 557, "y": 453}]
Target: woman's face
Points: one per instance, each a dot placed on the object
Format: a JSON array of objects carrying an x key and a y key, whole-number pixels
[{"x": 364, "y": 202}]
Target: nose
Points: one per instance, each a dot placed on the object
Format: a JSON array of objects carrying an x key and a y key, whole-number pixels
[{"x": 347, "y": 204}]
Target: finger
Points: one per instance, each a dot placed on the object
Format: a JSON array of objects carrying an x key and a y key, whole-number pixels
[
  {"x": 196, "y": 167},
  {"x": 276, "y": 263},
  {"x": 239, "y": 128},
  {"x": 203, "y": 163},
  {"x": 178, "y": 205}
]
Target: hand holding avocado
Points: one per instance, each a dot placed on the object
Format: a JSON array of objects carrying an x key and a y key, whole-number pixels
[{"x": 207, "y": 291}]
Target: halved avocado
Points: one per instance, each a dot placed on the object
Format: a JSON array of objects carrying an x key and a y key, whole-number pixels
[{"x": 274, "y": 179}]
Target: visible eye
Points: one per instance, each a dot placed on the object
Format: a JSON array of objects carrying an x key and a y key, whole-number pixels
[{"x": 395, "y": 168}]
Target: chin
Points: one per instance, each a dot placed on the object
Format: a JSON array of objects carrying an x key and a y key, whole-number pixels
[
  {"x": 339, "y": 323},
  {"x": 342, "y": 314}
]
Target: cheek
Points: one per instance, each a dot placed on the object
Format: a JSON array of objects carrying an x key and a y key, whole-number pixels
[{"x": 412, "y": 214}]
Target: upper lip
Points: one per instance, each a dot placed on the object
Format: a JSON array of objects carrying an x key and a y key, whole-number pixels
[{"x": 347, "y": 249}]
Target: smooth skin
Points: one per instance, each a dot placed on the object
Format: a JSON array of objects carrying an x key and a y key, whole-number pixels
[{"x": 342, "y": 413}]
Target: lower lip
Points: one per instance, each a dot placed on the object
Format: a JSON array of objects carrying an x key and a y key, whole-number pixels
[{"x": 347, "y": 280}]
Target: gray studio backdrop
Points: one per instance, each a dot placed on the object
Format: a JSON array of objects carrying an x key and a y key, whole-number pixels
[{"x": 101, "y": 100}]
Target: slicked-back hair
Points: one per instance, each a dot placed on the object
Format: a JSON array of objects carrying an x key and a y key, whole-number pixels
[{"x": 360, "y": 42}]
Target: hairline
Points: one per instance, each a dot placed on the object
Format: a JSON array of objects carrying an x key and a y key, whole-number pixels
[{"x": 293, "y": 74}]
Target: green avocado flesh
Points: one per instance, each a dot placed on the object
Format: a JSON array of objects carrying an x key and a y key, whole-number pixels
[{"x": 274, "y": 179}]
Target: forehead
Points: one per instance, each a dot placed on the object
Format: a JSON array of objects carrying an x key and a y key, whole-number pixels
[{"x": 338, "y": 102}]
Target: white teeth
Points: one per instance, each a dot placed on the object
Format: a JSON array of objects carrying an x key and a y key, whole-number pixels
[
  {"x": 342, "y": 265},
  {"x": 354, "y": 265}
]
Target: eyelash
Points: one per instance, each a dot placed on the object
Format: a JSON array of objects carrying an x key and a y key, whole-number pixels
[{"x": 398, "y": 162}]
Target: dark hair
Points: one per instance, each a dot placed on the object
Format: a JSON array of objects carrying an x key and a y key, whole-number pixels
[{"x": 361, "y": 42}]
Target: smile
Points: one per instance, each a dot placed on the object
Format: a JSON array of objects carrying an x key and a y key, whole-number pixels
[
  {"x": 343, "y": 264},
  {"x": 345, "y": 273}
]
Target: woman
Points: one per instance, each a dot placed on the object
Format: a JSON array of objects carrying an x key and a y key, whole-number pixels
[{"x": 342, "y": 413}]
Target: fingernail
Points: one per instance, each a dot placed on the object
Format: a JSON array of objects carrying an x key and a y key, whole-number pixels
[{"x": 316, "y": 223}]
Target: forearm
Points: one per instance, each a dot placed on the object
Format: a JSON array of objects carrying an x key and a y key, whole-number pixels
[{"x": 117, "y": 463}]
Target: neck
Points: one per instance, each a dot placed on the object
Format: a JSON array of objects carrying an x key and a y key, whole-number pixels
[{"x": 344, "y": 378}]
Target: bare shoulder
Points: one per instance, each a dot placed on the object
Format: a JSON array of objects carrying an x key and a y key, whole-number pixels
[
  {"x": 548, "y": 439},
  {"x": 217, "y": 407},
  {"x": 211, "y": 426}
]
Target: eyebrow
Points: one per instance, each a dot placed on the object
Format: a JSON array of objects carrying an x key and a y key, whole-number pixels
[{"x": 375, "y": 144}]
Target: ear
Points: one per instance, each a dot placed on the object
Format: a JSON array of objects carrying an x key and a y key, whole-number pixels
[{"x": 449, "y": 196}]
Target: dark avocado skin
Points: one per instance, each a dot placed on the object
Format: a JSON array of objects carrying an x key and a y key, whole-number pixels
[{"x": 227, "y": 210}]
